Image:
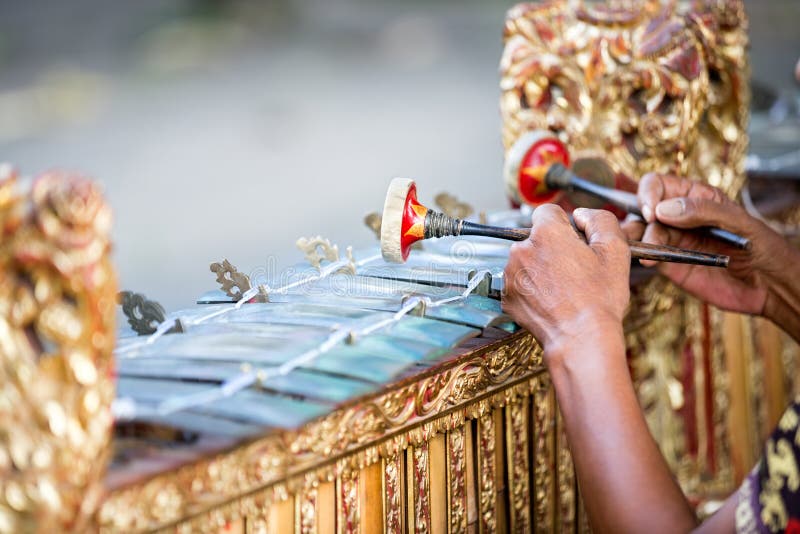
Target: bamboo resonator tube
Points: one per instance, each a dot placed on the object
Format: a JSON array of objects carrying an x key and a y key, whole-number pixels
[
  {"x": 537, "y": 167},
  {"x": 406, "y": 221}
]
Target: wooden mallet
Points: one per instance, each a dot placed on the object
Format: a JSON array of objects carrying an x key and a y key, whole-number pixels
[
  {"x": 406, "y": 221},
  {"x": 537, "y": 169}
]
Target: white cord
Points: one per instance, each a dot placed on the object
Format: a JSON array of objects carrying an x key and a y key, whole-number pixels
[{"x": 127, "y": 408}]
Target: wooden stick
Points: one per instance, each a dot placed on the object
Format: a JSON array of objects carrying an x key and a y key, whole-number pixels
[{"x": 639, "y": 250}]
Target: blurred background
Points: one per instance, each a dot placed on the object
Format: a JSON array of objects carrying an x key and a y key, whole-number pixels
[{"x": 228, "y": 129}]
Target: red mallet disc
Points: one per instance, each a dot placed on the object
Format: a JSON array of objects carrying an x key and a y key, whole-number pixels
[{"x": 527, "y": 163}]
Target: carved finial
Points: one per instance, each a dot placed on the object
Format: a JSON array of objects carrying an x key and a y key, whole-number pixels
[
  {"x": 143, "y": 315},
  {"x": 373, "y": 222},
  {"x": 232, "y": 282},
  {"x": 451, "y": 206},
  {"x": 317, "y": 249}
]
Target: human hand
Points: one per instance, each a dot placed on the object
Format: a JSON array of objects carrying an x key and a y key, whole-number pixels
[
  {"x": 564, "y": 290},
  {"x": 681, "y": 203}
]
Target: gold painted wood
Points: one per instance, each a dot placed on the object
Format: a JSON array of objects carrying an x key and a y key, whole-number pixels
[
  {"x": 326, "y": 508},
  {"x": 393, "y": 494},
  {"x": 307, "y": 509},
  {"x": 518, "y": 468},
  {"x": 419, "y": 461},
  {"x": 769, "y": 347},
  {"x": 57, "y": 299},
  {"x": 741, "y": 419},
  {"x": 457, "y": 479},
  {"x": 347, "y": 509},
  {"x": 487, "y": 474},
  {"x": 281, "y": 516},
  {"x": 370, "y": 498},
  {"x": 437, "y": 456},
  {"x": 544, "y": 481},
  {"x": 565, "y": 475},
  {"x": 472, "y": 478}
]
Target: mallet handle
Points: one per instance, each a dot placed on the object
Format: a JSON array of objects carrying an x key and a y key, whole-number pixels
[
  {"x": 639, "y": 250},
  {"x": 560, "y": 177}
]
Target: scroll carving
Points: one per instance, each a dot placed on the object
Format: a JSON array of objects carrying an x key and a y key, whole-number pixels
[
  {"x": 647, "y": 86},
  {"x": 519, "y": 483},
  {"x": 347, "y": 503},
  {"x": 143, "y": 315},
  {"x": 233, "y": 282},
  {"x": 651, "y": 86},
  {"x": 308, "y": 507},
  {"x": 422, "y": 505},
  {"x": 317, "y": 249},
  {"x": 487, "y": 473},
  {"x": 392, "y": 470},
  {"x": 457, "y": 479},
  {"x": 543, "y": 410}
]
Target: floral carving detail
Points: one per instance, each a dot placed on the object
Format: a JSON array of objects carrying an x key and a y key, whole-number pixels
[{"x": 57, "y": 313}]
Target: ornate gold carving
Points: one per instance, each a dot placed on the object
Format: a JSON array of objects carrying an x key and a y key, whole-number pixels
[
  {"x": 373, "y": 222},
  {"x": 649, "y": 86},
  {"x": 233, "y": 282},
  {"x": 57, "y": 299},
  {"x": 347, "y": 503},
  {"x": 487, "y": 474},
  {"x": 566, "y": 480},
  {"x": 421, "y": 483},
  {"x": 456, "y": 480},
  {"x": 317, "y": 249},
  {"x": 518, "y": 472},
  {"x": 655, "y": 372},
  {"x": 450, "y": 205},
  {"x": 143, "y": 315},
  {"x": 392, "y": 471},
  {"x": 543, "y": 410},
  {"x": 308, "y": 507},
  {"x": 653, "y": 86},
  {"x": 379, "y": 427}
]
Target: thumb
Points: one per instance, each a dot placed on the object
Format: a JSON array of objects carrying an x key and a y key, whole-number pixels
[{"x": 686, "y": 212}]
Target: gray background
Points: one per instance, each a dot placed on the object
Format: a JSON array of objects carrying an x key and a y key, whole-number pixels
[{"x": 230, "y": 129}]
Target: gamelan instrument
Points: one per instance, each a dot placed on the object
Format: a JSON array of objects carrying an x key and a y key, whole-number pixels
[
  {"x": 349, "y": 394},
  {"x": 537, "y": 167},
  {"x": 406, "y": 221},
  {"x": 346, "y": 394}
]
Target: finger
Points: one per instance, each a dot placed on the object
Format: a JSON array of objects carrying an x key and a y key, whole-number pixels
[
  {"x": 550, "y": 218},
  {"x": 597, "y": 225},
  {"x": 655, "y": 188},
  {"x": 549, "y": 214},
  {"x": 686, "y": 212},
  {"x": 633, "y": 227},
  {"x": 603, "y": 232},
  {"x": 655, "y": 234},
  {"x": 650, "y": 193}
]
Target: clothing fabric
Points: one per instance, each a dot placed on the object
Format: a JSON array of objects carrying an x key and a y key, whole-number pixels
[{"x": 769, "y": 498}]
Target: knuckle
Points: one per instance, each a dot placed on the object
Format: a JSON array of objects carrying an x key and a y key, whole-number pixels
[
  {"x": 618, "y": 244},
  {"x": 606, "y": 217},
  {"x": 550, "y": 211}
]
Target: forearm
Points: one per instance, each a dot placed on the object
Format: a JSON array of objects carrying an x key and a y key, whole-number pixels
[
  {"x": 624, "y": 480},
  {"x": 783, "y": 299}
]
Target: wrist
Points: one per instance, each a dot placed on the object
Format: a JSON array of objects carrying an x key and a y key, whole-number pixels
[
  {"x": 782, "y": 305},
  {"x": 590, "y": 340}
]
